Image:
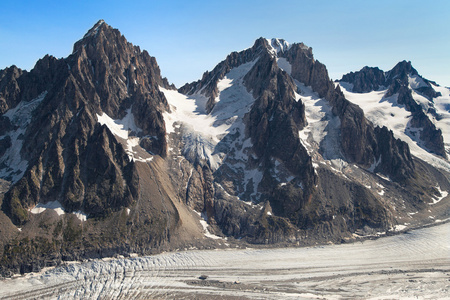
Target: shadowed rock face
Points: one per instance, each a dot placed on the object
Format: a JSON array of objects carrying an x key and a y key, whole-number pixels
[
  {"x": 366, "y": 80},
  {"x": 71, "y": 158}
]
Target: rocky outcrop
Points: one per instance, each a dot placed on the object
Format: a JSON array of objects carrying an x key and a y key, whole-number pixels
[
  {"x": 9, "y": 88},
  {"x": 273, "y": 124},
  {"x": 366, "y": 80},
  {"x": 396, "y": 159}
]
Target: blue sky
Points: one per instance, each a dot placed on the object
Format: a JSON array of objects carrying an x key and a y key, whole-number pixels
[{"x": 190, "y": 37}]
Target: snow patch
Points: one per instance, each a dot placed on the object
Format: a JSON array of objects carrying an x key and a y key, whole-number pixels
[
  {"x": 12, "y": 166},
  {"x": 54, "y": 205},
  {"x": 127, "y": 130},
  {"x": 323, "y": 127},
  {"x": 80, "y": 215},
  {"x": 399, "y": 227},
  {"x": 284, "y": 65},
  {"x": 416, "y": 82},
  {"x": 121, "y": 128},
  {"x": 438, "y": 199},
  {"x": 442, "y": 117},
  {"x": 374, "y": 165},
  {"x": 204, "y": 223}
]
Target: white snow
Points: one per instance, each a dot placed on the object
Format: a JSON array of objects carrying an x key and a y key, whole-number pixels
[
  {"x": 54, "y": 205},
  {"x": 438, "y": 199},
  {"x": 80, "y": 215},
  {"x": 399, "y": 227},
  {"x": 207, "y": 233},
  {"x": 121, "y": 128},
  {"x": 416, "y": 82},
  {"x": 278, "y": 45},
  {"x": 284, "y": 65},
  {"x": 201, "y": 131},
  {"x": 127, "y": 130},
  {"x": 442, "y": 106},
  {"x": 387, "y": 112},
  {"x": 204, "y": 223},
  {"x": 323, "y": 127}
]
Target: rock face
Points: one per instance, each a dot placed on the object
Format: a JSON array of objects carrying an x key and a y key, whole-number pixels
[
  {"x": 101, "y": 156},
  {"x": 366, "y": 80}
]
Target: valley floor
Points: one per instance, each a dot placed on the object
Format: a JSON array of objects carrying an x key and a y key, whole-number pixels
[{"x": 411, "y": 265}]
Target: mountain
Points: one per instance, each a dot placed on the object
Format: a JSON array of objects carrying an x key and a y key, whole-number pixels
[
  {"x": 101, "y": 156},
  {"x": 426, "y": 102}
]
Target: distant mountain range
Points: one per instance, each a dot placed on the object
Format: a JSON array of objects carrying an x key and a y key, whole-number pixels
[{"x": 100, "y": 155}]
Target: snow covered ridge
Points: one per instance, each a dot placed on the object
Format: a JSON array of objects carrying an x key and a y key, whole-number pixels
[
  {"x": 12, "y": 166},
  {"x": 382, "y": 111}
]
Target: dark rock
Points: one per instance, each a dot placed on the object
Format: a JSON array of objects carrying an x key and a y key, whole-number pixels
[{"x": 366, "y": 80}]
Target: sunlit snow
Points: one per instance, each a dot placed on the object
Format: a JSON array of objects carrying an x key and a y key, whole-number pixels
[
  {"x": 438, "y": 199},
  {"x": 56, "y": 207},
  {"x": 201, "y": 131},
  {"x": 127, "y": 130},
  {"x": 387, "y": 112},
  {"x": 121, "y": 128}
]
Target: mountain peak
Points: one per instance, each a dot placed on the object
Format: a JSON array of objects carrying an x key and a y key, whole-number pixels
[
  {"x": 95, "y": 29},
  {"x": 402, "y": 69}
]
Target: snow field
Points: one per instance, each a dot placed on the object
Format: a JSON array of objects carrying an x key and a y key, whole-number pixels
[
  {"x": 387, "y": 112},
  {"x": 202, "y": 132}
]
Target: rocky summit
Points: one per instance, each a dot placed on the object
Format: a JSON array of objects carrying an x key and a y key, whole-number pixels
[{"x": 101, "y": 156}]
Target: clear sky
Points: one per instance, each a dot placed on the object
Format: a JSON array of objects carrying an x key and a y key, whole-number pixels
[{"x": 190, "y": 37}]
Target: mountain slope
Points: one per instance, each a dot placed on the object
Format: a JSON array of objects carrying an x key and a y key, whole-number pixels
[
  {"x": 422, "y": 102},
  {"x": 101, "y": 155}
]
